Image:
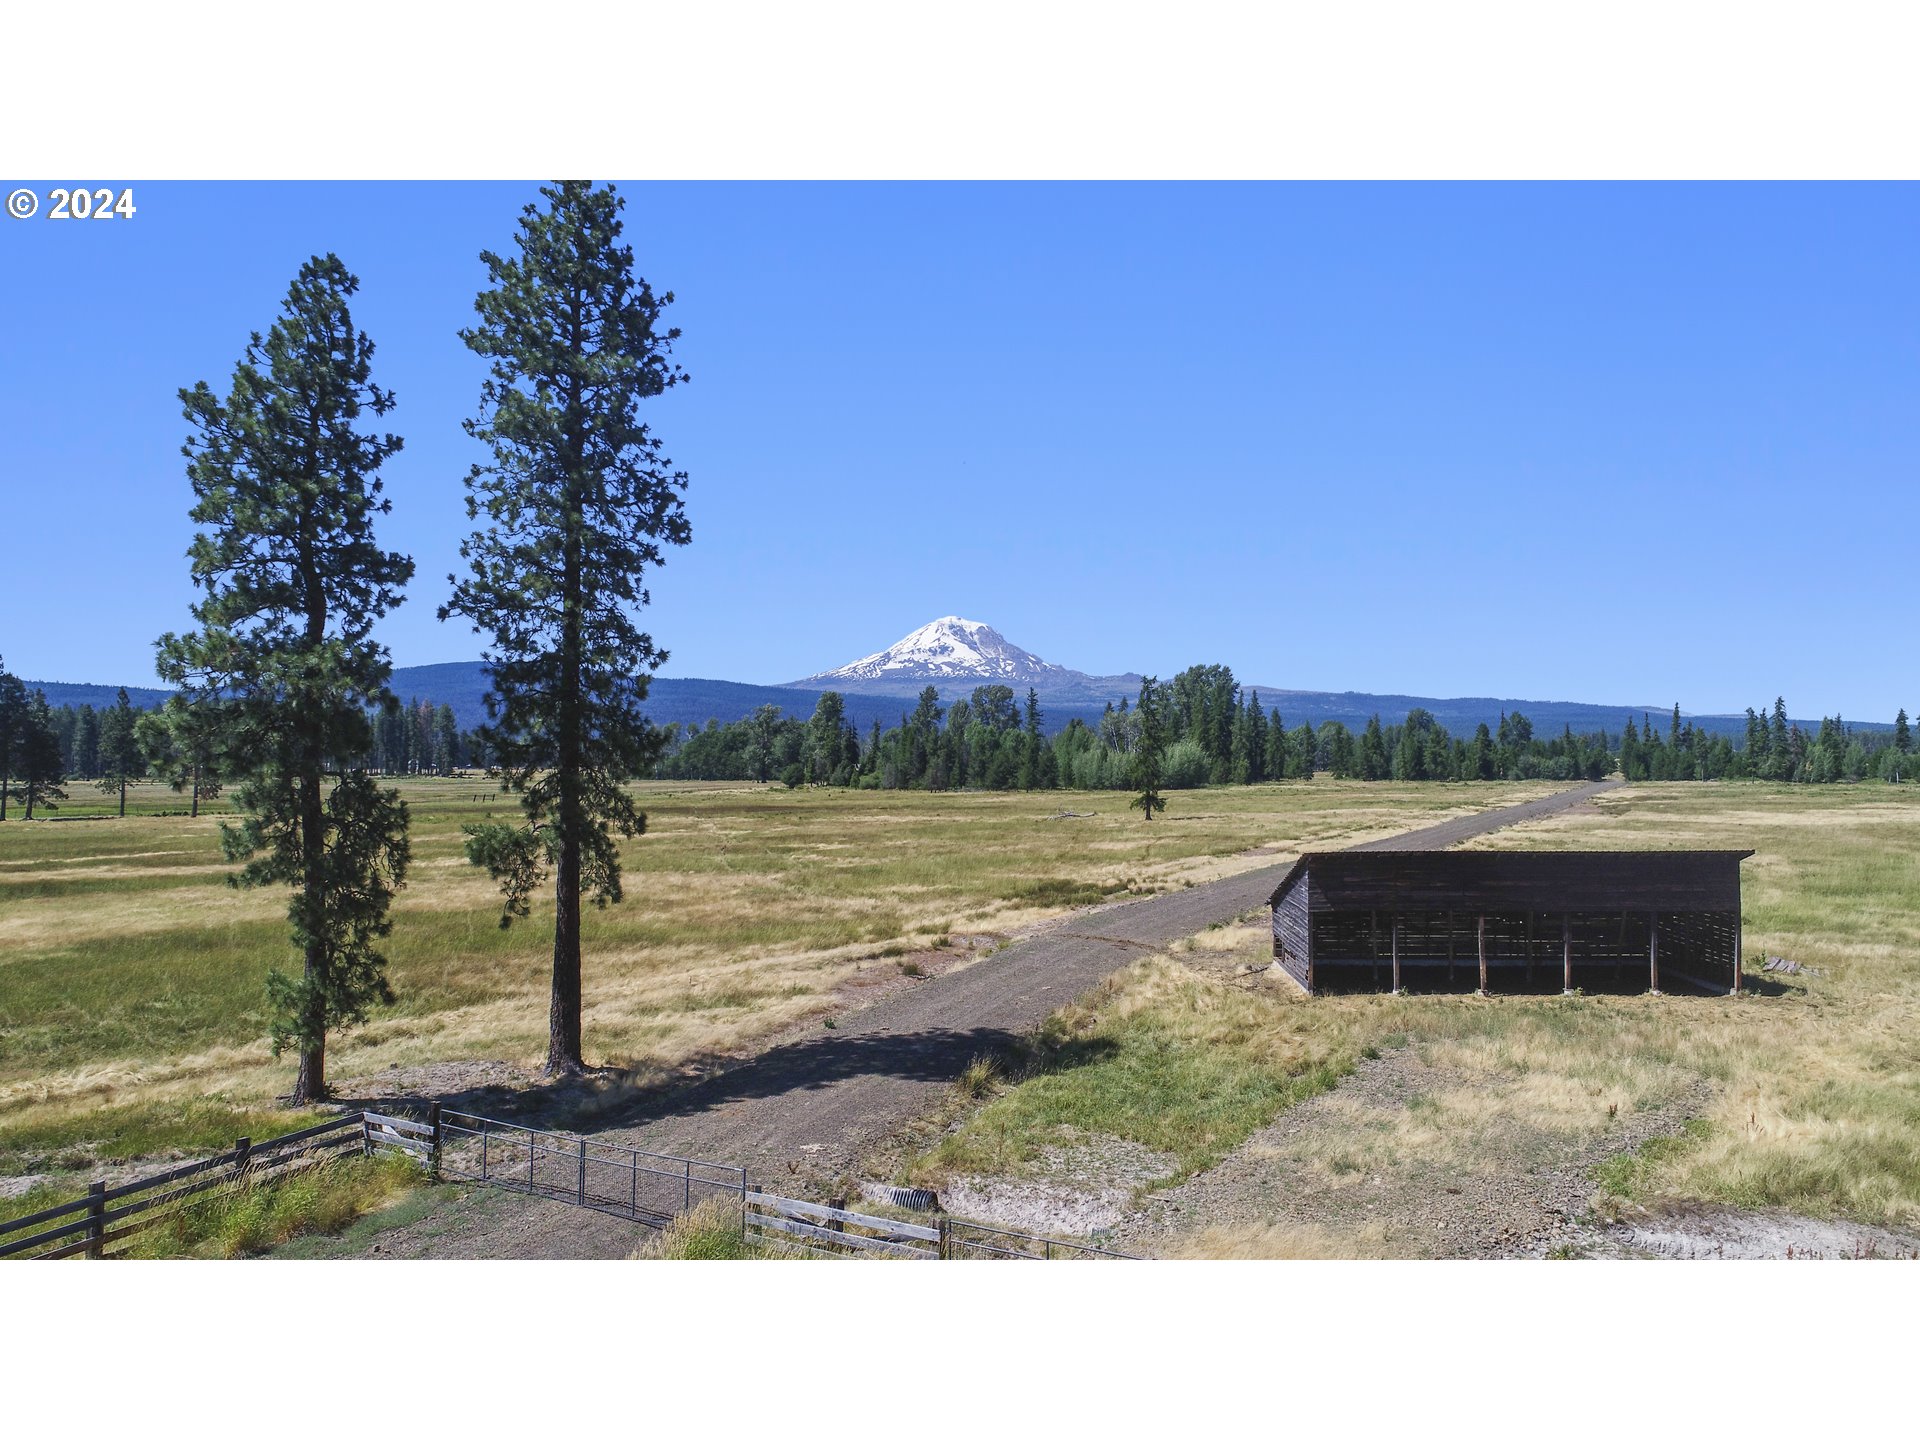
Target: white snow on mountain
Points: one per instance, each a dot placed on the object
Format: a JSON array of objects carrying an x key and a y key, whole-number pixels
[{"x": 950, "y": 648}]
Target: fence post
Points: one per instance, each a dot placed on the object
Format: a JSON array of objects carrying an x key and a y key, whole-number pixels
[
  {"x": 433, "y": 1162},
  {"x": 946, "y": 1251},
  {"x": 366, "y": 1134},
  {"x": 96, "y": 1221},
  {"x": 242, "y": 1148},
  {"x": 583, "y": 1169}
]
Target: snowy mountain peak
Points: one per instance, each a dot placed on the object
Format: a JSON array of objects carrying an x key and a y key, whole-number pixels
[{"x": 950, "y": 648}]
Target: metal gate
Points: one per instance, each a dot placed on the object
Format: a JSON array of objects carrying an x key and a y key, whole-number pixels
[{"x": 640, "y": 1185}]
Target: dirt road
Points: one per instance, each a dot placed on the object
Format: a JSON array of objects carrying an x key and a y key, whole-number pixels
[{"x": 811, "y": 1107}]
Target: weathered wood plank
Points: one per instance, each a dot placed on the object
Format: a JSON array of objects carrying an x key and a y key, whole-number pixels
[
  {"x": 759, "y": 1200},
  {"x": 395, "y": 1122},
  {"x": 40, "y": 1217},
  {"x": 820, "y": 1235}
]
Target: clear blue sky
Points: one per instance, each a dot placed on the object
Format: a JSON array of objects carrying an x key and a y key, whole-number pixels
[{"x": 1626, "y": 444}]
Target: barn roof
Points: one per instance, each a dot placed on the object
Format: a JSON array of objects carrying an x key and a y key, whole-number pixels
[{"x": 1509, "y": 880}]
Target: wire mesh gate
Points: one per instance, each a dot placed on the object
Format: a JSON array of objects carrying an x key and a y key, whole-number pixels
[
  {"x": 640, "y": 1185},
  {"x": 653, "y": 1188}
]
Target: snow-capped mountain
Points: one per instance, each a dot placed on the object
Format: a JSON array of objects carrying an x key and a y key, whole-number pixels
[{"x": 954, "y": 655}]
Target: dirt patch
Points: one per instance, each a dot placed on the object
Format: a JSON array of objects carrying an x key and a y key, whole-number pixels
[
  {"x": 1404, "y": 1158},
  {"x": 1703, "y": 1232},
  {"x": 12, "y": 1187},
  {"x": 1069, "y": 1190}
]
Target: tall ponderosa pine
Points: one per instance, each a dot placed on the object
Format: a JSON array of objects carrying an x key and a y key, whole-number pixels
[
  {"x": 1149, "y": 750},
  {"x": 284, "y": 661},
  {"x": 579, "y": 501}
]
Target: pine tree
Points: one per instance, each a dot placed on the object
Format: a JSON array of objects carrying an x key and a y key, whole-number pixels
[
  {"x": 13, "y": 729},
  {"x": 823, "y": 736},
  {"x": 1149, "y": 751},
  {"x": 1480, "y": 754},
  {"x": 1275, "y": 760},
  {"x": 1781, "y": 751},
  {"x": 446, "y": 740},
  {"x": 121, "y": 758},
  {"x": 41, "y": 765},
  {"x": 1256, "y": 740},
  {"x": 83, "y": 756},
  {"x": 179, "y": 742},
  {"x": 1035, "y": 743},
  {"x": 580, "y": 501},
  {"x": 283, "y": 667},
  {"x": 1374, "y": 761},
  {"x": 1302, "y": 752},
  {"x": 1902, "y": 735}
]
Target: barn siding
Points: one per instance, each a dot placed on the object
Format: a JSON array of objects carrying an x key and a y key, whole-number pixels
[
  {"x": 1521, "y": 881},
  {"x": 1334, "y": 915}
]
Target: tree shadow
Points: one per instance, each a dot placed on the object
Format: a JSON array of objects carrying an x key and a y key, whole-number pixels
[{"x": 610, "y": 1098}]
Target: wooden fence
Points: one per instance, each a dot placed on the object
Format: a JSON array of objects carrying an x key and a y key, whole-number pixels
[
  {"x": 591, "y": 1174},
  {"x": 99, "y": 1225}
]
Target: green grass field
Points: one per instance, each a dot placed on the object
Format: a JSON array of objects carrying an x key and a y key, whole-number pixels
[
  {"x": 1814, "y": 1080},
  {"x": 131, "y": 1004}
]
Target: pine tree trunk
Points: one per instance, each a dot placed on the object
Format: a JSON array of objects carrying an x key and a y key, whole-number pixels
[
  {"x": 311, "y": 1084},
  {"x": 123, "y": 797},
  {"x": 563, "y": 1013},
  {"x": 196, "y": 794}
]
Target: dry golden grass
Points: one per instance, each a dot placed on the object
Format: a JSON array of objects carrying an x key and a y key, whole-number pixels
[{"x": 131, "y": 974}]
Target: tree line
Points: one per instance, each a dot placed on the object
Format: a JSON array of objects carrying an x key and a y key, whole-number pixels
[
  {"x": 1214, "y": 733},
  {"x": 124, "y": 745}
]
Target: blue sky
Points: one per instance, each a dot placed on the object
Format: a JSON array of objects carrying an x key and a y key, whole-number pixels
[{"x": 1626, "y": 444}]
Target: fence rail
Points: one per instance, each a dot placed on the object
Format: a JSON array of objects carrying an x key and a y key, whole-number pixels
[{"x": 110, "y": 1215}]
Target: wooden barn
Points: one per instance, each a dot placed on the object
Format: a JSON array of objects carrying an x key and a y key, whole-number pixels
[{"x": 1519, "y": 922}]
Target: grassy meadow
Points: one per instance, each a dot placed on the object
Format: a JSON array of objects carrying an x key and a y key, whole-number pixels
[
  {"x": 1805, "y": 1092},
  {"x": 131, "y": 1003}
]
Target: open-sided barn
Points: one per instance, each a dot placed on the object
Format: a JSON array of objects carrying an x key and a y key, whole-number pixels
[{"x": 1511, "y": 921}]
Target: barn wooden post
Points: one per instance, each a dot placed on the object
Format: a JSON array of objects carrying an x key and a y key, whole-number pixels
[
  {"x": 1566, "y": 954},
  {"x": 1396, "y": 952},
  {"x": 1450, "y": 940},
  {"x": 1653, "y": 951},
  {"x": 1736, "y": 954},
  {"x": 1483, "y": 957},
  {"x": 1373, "y": 945}
]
